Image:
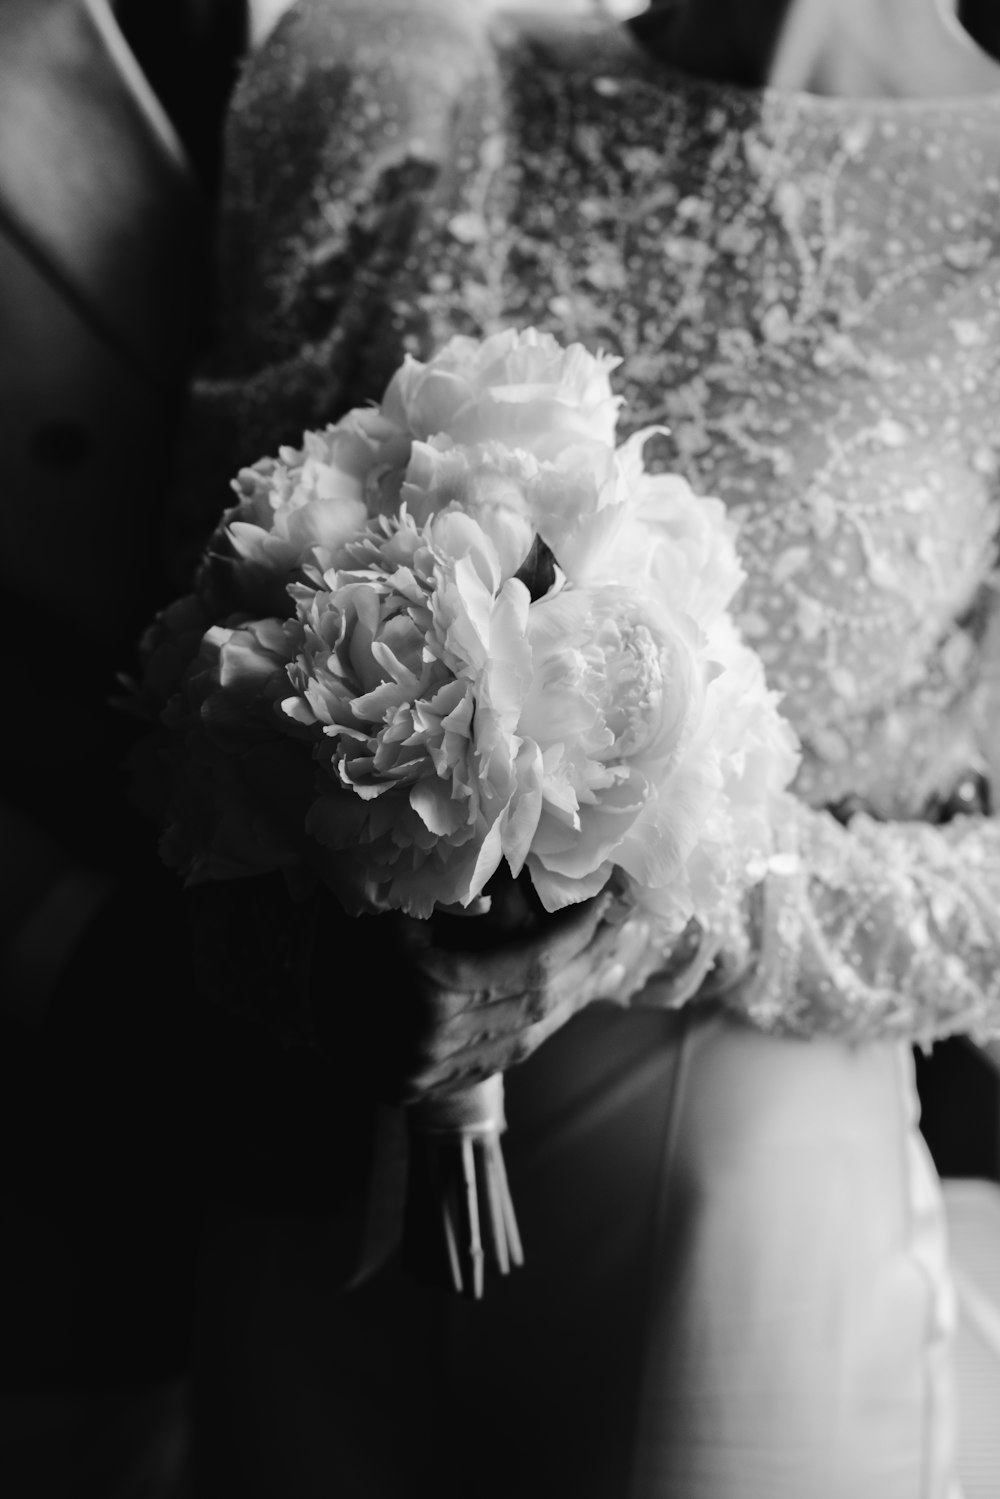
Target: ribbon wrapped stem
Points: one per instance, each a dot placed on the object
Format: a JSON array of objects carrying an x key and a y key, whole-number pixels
[{"x": 460, "y": 1221}]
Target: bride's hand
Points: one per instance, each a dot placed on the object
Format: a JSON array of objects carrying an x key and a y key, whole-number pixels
[
  {"x": 480, "y": 1012},
  {"x": 474, "y": 1013},
  {"x": 445, "y": 1003}
]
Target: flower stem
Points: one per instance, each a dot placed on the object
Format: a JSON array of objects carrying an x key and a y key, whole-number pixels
[{"x": 460, "y": 1221}]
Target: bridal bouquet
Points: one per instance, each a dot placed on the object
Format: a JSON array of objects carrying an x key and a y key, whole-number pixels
[{"x": 461, "y": 638}]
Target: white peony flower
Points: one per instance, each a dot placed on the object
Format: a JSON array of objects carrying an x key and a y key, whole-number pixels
[
  {"x": 293, "y": 508},
  {"x": 663, "y": 753},
  {"x": 511, "y": 493},
  {"x": 618, "y": 692},
  {"x": 653, "y": 532},
  {"x": 166, "y": 650},
  {"x": 488, "y": 482},
  {"x": 241, "y": 783},
  {"x": 520, "y": 388},
  {"x": 414, "y": 666}
]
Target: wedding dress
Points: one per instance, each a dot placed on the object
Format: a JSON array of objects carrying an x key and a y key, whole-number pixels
[{"x": 736, "y": 1279}]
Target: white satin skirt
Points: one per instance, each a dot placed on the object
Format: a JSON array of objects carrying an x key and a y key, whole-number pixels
[
  {"x": 800, "y": 1316},
  {"x": 735, "y": 1288}
]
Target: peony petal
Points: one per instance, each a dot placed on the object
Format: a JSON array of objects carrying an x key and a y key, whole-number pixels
[
  {"x": 462, "y": 612},
  {"x": 403, "y": 678},
  {"x": 558, "y": 891},
  {"x": 520, "y": 821},
  {"x": 601, "y": 829},
  {"x": 486, "y": 864},
  {"x": 661, "y": 840},
  {"x": 431, "y": 801}
]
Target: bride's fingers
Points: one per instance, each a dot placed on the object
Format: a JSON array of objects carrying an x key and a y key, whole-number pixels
[
  {"x": 487, "y": 1038},
  {"x": 479, "y": 1020},
  {"x": 475, "y": 1063},
  {"x": 454, "y": 978}
]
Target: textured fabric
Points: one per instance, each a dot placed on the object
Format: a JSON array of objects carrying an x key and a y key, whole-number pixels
[{"x": 735, "y": 1234}]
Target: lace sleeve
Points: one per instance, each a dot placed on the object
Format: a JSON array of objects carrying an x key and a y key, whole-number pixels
[
  {"x": 878, "y": 930},
  {"x": 350, "y": 135}
]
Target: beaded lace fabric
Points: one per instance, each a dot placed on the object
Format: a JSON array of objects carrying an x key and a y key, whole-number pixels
[{"x": 805, "y": 291}]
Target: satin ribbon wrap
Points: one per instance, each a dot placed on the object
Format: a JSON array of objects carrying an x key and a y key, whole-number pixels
[
  {"x": 460, "y": 1221},
  {"x": 476, "y": 1110}
]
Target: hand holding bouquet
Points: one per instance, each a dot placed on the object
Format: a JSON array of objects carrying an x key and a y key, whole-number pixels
[{"x": 463, "y": 639}]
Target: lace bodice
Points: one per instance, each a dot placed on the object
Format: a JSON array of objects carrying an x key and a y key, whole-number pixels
[
  {"x": 804, "y": 291},
  {"x": 813, "y": 294}
]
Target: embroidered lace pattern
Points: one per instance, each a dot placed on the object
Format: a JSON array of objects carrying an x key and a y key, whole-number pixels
[{"x": 805, "y": 291}]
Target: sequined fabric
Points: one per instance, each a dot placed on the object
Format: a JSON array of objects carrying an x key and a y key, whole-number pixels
[{"x": 805, "y": 291}]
